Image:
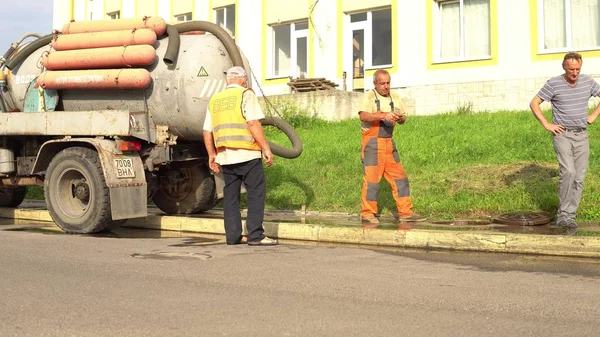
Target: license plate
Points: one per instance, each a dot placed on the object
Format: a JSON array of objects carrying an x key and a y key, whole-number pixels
[{"x": 124, "y": 168}]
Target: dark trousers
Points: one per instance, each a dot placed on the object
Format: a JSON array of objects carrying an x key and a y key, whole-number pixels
[{"x": 250, "y": 173}]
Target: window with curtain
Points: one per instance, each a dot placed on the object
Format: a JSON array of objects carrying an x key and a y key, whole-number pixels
[
  {"x": 290, "y": 50},
  {"x": 463, "y": 29},
  {"x": 570, "y": 24},
  {"x": 226, "y": 18}
]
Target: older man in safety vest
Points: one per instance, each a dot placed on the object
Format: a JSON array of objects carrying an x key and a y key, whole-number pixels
[
  {"x": 236, "y": 144},
  {"x": 381, "y": 109}
]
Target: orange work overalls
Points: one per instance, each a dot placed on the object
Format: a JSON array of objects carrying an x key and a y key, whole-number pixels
[{"x": 380, "y": 158}]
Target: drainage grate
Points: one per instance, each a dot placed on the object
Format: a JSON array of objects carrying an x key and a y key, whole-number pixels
[{"x": 523, "y": 219}]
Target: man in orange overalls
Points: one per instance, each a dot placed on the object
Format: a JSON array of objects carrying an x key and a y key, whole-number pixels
[{"x": 380, "y": 110}]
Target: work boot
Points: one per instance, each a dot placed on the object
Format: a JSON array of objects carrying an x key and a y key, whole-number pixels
[
  {"x": 412, "y": 217},
  {"x": 371, "y": 219}
]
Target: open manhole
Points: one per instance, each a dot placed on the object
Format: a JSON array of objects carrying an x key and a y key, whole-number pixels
[{"x": 523, "y": 219}]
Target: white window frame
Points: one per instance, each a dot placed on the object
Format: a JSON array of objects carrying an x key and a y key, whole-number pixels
[
  {"x": 294, "y": 36},
  {"x": 368, "y": 41},
  {"x": 367, "y": 27},
  {"x": 183, "y": 17},
  {"x": 224, "y": 9},
  {"x": 438, "y": 35},
  {"x": 116, "y": 15},
  {"x": 568, "y": 31},
  {"x": 90, "y": 9}
]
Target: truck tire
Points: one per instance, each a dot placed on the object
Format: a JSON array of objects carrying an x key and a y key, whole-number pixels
[
  {"x": 12, "y": 197},
  {"x": 76, "y": 193},
  {"x": 193, "y": 192}
]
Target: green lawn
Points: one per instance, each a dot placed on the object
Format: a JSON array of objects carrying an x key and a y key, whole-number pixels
[{"x": 459, "y": 165}]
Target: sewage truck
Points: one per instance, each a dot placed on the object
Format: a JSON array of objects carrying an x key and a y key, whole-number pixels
[{"x": 108, "y": 114}]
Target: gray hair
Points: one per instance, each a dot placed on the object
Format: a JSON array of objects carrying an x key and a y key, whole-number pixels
[{"x": 379, "y": 72}]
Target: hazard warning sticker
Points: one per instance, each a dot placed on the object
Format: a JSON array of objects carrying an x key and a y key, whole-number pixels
[
  {"x": 211, "y": 87},
  {"x": 202, "y": 72}
]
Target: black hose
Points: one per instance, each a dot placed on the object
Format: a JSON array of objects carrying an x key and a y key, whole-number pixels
[
  {"x": 205, "y": 26},
  {"x": 8, "y": 52},
  {"x": 236, "y": 58},
  {"x": 173, "y": 46},
  {"x": 289, "y": 131},
  {"x": 27, "y": 50},
  {"x": 2, "y": 102}
]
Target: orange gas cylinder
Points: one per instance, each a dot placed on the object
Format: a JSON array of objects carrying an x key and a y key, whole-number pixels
[
  {"x": 157, "y": 24},
  {"x": 104, "y": 39},
  {"x": 111, "y": 57},
  {"x": 95, "y": 79}
]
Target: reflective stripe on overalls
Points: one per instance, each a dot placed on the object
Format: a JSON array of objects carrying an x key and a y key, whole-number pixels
[{"x": 380, "y": 158}]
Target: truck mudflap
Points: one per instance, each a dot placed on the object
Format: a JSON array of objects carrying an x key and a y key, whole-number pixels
[{"x": 123, "y": 172}]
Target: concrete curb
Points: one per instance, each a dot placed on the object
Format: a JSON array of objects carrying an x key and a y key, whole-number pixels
[{"x": 559, "y": 245}]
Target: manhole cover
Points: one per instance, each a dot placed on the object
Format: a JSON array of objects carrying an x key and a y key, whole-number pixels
[{"x": 523, "y": 219}]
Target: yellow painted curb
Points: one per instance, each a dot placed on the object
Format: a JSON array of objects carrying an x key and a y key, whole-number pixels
[{"x": 415, "y": 238}]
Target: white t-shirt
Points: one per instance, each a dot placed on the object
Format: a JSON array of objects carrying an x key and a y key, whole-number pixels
[{"x": 252, "y": 111}]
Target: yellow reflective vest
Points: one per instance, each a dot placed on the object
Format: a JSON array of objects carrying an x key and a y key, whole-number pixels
[{"x": 230, "y": 128}]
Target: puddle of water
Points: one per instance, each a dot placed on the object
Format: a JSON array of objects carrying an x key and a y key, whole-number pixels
[
  {"x": 584, "y": 232},
  {"x": 462, "y": 223},
  {"x": 476, "y": 225},
  {"x": 545, "y": 230}
]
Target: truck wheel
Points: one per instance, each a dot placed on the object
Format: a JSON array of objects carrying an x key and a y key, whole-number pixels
[
  {"x": 12, "y": 197},
  {"x": 76, "y": 193},
  {"x": 186, "y": 188}
]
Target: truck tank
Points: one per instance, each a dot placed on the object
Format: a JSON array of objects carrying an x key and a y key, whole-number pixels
[{"x": 177, "y": 96}]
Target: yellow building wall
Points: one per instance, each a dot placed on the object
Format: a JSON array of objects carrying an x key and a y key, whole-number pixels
[
  {"x": 221, "y": 3},
  {"x": 284, "y": 11},
  {"x": 145, "y": 8},
  {"x": 111, "y": 6},
  {"x": 179, "y": 7},
  {"x": 356, "y": 5}
]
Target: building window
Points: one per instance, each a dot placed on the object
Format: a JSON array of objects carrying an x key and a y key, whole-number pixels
[
  {"x": 569, "y": 24},
  {"x": 226, "y": 18},
  {"x": 371, "y": 40},
  {"x": 183, "y": 17},
  {"x": 463, "y": 30},
  {"x": 290, "y": 50},
  {"x": 90, "y": 9},
  {"x": 114, "y": 15}
]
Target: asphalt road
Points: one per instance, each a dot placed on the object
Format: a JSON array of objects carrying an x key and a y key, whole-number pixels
[{"x": 137, "y": 283}]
